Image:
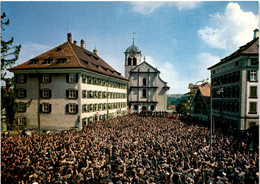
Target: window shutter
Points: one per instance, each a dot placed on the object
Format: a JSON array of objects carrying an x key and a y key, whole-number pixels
[
  {"x": 41, "y": 78},
  {"x": 67, "y": 108},
  {"x": 25, "y": 78},
  {"x": 16, "y": 78},
  {"x": 49, "y": 108},
  {"x": 25, "y": 93},
  {"x": 40, "y": 93},
  {"x": 50, "y": 78},
  {"x": 40, "y": 108},
  {"x": 76, "y": 109},
  {"x": 67, "y": 78},
  {"x": 77, "y": 77},
  {"x": 76, "y": 96},
  {"x": 248, "y": 75},
  {"x": 50, "y": 93},
  {"x": 67, "y": 93},
  {"x": 82, "y": 108}
]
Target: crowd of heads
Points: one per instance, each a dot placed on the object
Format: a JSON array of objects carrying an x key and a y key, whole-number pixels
[{"x": 129, "y": 149}]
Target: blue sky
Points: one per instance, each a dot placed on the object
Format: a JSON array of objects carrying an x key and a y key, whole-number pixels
[{"x": 181, "y": 39}]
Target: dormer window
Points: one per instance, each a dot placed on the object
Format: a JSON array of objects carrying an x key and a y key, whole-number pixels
[
  {"x": 62, "y": 60},
  {"x": 34, "y": 61},
  {"x": 47, "y": 61},
  {"x": 58, "y": 49}
]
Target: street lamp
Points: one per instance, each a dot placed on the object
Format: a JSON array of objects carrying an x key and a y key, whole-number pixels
[{"x": 220, "y": 90}]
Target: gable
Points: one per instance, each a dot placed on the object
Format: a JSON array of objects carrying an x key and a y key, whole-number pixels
[{"x": 144, "y": 67}]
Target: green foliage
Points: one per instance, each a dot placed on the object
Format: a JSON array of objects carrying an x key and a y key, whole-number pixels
[
  {"x": 182, "y": 107},
  {"x": 9, "y": 53}
]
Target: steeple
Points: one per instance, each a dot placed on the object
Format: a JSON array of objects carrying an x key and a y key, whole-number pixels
[{"x": 133, "y": 38}]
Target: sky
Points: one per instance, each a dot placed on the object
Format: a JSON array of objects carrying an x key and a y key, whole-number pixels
[{"x": 180, "y": 39}]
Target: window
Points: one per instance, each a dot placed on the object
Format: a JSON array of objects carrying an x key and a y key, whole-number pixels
[
  {"x": 45, "y": 93},
  {"x": 254, "y": 62},
  {"x": 21, "y": 107},
  {"x": 62, "y": 61},
  {"x": 252, "y": 107},
  {"x": 253, "y": 91},
  {"x": 21, "y": 121},
  {"x": 45, "y": 108},
  {"x": 152, "y": 107},
  {"x": 46, "y": 78},
  {"x": 34, "y": 61},
  {"x": 84, "y": 79},
  {"x": 135, "y": 107},
  {"x": 84, "y": 108},
  {"x": 21, "y": 79},
  {"x": 129, "y": 61},
  {"x": 144, "y": 93},
  {"x": 72, "y": 108},
  {"x": 47, "y": 61},
  {"x": 253, "y": 76},
  {"x": 144, "y": 81},
  {"x": 72, "y": 93},
  {"x": 134, "y": 61},
  {"x": 72, "y": 78},
  {"x": 21, "y": 93}
]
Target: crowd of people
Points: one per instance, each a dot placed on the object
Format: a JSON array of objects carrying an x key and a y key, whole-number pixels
[{"x": 130, "y": 149}]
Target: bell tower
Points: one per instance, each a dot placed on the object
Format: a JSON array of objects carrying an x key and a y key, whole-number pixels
[{"x": 132, "y": 58}]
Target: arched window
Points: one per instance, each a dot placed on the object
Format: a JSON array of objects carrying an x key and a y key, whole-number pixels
[
  {"x": 152, "y": 107},
  {"x": 134, "y": 61},
  {"x": 135, "y": 107},
  {"x": 144, "y": 93},
  {"x": 144, "y": 81},
  {"x": 129, "y": 61}
]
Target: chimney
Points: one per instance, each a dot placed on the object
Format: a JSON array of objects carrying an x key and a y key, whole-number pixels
[
  {"x": 256, "y": 33},
  {"x": 95, "y": 51},
  {"x": 82, "y": 43},
  {"x": 75, "y": 42},
  {"x": 69, "y": 37}
]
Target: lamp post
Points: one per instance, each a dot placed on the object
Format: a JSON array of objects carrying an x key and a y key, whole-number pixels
[{"x": 211, "y": 96}]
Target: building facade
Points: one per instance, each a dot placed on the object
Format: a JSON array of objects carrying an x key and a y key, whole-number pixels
[
  {"x": 201, "y": 103},
  {"x": 68, "y": 86},
  {"x": 146, "y": 90},
  {"x": 190, "y": 95},
  {"x": 234, "y": 81}
]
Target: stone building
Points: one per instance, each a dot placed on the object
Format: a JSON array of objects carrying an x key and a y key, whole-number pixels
[
  {"x": 146, "y": 90},
  {"x": 234, "y": 82},
  {"x": 68, "y": 86}
]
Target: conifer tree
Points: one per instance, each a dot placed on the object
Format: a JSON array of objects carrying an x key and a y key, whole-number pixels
[{"x": 9, "y": 55}]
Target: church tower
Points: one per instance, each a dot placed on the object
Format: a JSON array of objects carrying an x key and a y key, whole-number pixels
[{"x": 132, "y": 58}]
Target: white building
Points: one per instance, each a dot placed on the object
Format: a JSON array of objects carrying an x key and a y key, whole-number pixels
[
  {"x": 146, "y": 90},
  {"x": 236, "y": 105},
  {"x": 68, "y": 86}
]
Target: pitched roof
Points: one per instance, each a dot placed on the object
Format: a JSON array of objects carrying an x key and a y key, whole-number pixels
[
  {"x": 77, "y": 57},
  {"x": 251, "y": 48},
  {"x": 205, "y": 91}
]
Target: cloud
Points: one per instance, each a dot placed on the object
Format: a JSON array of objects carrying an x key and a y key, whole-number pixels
[
  {"x": 231, "y": 29},
  {"x": 145, "y": 7},
  {"x": 174, "y": 79},
  {"x": 203, "y": 61}
]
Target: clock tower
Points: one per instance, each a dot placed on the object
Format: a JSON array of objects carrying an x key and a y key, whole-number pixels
[{"x": 132, "y": 58}]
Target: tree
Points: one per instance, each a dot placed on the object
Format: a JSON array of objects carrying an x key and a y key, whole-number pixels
[
  {"x": 182, "y": 107},
  {"x": 9, "y": 55}
]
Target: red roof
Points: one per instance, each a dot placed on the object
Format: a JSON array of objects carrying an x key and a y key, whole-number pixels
[
  {"x": 172, "y": 107},
  {"x": 77, "y": 57},
  {"x": 205, "y": 91}
]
